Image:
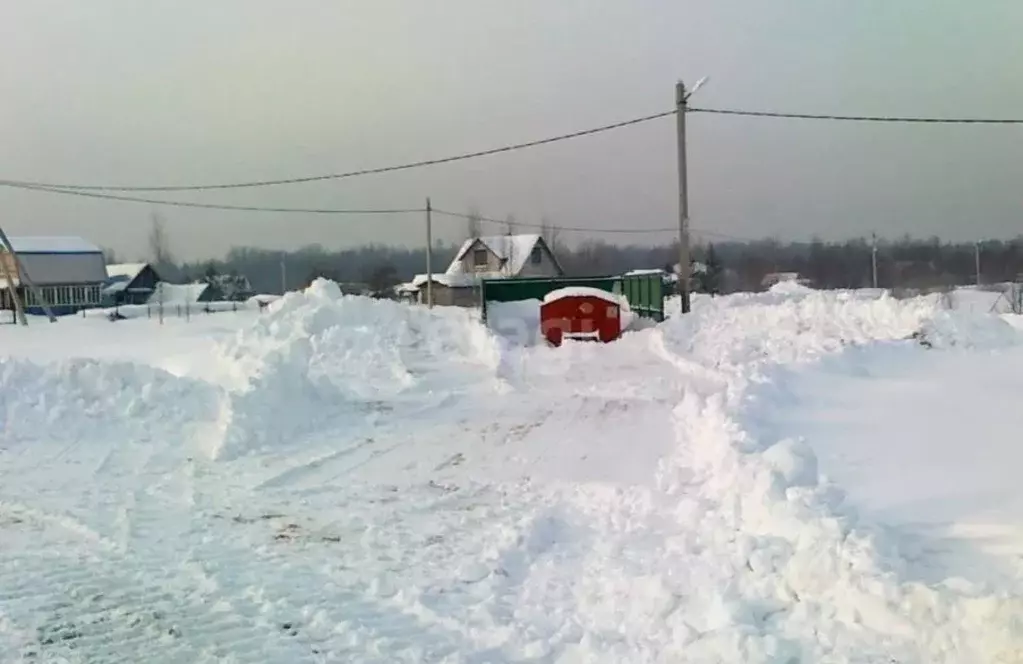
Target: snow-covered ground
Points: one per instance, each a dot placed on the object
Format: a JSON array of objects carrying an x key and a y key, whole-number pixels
[{"x": 341, "y": 479}]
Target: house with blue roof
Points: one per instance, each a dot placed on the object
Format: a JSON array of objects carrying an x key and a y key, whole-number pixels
[{"x": 68, "y": 272}]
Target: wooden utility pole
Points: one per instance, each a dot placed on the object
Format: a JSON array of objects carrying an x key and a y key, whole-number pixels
[
  {"x": 24, "y": 277},
  {"x": 429, "y": 254},
  {"x": 976, "y": 259},
  {"x": 12, "y": 288},
  {"x": 681, "y": 99},
  {"x": 284, "y": 274},
  {"x": 873, "y": 258}
]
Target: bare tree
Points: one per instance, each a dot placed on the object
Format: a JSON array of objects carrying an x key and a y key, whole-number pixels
[
  {"x": 109, "y": 255},
  {"x": 550, "y": 233},
  {"x": 509, "y": 222},
  {"x": 474, "y": 223},
  {"x": 159, "y": 248}
]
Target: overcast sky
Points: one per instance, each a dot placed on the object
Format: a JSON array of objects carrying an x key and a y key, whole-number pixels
[{"x": 187, "y": 91}]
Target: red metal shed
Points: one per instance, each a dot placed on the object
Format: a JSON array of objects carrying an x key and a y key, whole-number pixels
[{"x": 580, "y": 313}]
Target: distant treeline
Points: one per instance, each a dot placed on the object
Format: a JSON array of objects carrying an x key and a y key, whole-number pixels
[{"x": 907, "y": 263}]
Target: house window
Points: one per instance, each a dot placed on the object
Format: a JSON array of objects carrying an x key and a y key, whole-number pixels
[
  {"x": 479, "y": 258},
  {"x": 536, "y": 256}
]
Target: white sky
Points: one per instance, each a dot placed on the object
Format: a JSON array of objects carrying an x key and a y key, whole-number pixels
[{"x": 176, "y": 92}]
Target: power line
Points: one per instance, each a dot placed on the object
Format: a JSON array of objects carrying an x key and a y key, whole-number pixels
[
  {"x": 560, "y": 228},
  {"x": 193, "y": 204},
  {"x": 577, "y": 229},
  {"x": 351, "y": 174},
  {"x": 342, "y": 211},
  {"x": 857, "y": 118},
  {"x": 518, "y": 146}
]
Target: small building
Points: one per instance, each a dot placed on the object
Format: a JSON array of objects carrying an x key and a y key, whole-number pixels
[
  {"x": 489, "y": 257},
  {"x": 68, "y": 271},
  {"x": 169, "y": 295},
  {"x": 129, "y": 283}
]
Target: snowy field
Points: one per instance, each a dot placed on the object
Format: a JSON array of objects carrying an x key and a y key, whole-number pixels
[{"x": 791, "y": 477}]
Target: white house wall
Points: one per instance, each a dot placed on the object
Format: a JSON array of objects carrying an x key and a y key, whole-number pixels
[{"x": 545, "y": 268}]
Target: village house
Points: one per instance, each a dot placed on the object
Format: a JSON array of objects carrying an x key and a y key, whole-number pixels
[
  {"x": 488, "y": 257},
  {"x": 129, "y": 283},
  {"x": 68, "y": 272}
]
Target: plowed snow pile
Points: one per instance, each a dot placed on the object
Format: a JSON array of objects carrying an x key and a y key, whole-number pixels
[{"x": 384, "y": 483}]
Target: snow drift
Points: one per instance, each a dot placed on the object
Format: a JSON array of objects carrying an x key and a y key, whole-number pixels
[
  {"x": 320, "y": 358},
  {"x": 604, "y": 503}
]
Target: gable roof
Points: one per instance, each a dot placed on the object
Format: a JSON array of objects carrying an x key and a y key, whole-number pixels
[
  {"x": 178, "y": 293},
  {"x": 125, "y": 270},
  {"x": 514, "y": 250},
  {"x": 53, "y": 245}
]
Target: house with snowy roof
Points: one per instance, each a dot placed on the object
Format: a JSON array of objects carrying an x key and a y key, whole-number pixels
[
  {"x": 129, "y": 283},
  {"x": 181, "y": 295},
  {"x": 68, "y": 273},
  {"x": 486, "y": 257}
]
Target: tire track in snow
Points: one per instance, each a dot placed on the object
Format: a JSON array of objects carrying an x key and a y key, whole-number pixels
[{"x": 64, "y": 597}]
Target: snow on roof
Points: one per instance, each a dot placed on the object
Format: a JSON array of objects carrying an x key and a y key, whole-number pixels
[
  {"x": 583, "y": 291},
  {"x": 515, "y": 249},
  {"x": 651, "y": 270},
  {"x": 447, "y": 279},
  {"x": 458, "y": 279},
  {"x": 53, "y": 245},
  {"x": 178, "y": 293},
  {"x": 125, "y": 270},
  {"x": 116, "y": 287}
]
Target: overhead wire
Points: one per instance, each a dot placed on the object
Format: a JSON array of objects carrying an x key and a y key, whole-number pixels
[
  {"x": 207, "y": 206},
  {"x": 355, "y": 173},
  {"x": 520, "y": 146},
  {"x": 578, "y": 229},
  {"x": 341, "y": 211},
  {"x": 95, "y": 191},
  {"x": 856, "y": 118}
]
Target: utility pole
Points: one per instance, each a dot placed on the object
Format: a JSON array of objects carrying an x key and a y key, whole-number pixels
[
  {"x": 23, "y": 276},
  {"x": 976, "y": 259},
  {"x": 284, "y": 273},
  {"x": 681, "y": 99},
  {"x": 874, "y": 258},
  {"x": 429, "y": 254},
  {"x": 5, "y": 267}
]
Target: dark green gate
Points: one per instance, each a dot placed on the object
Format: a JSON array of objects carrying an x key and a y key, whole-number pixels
[{"x": 644, "y": 292}]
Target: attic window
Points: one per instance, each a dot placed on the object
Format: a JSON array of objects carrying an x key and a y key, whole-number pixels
[
  {"x": 536, "y": 256},
  {"x": 479, "y": 258}
]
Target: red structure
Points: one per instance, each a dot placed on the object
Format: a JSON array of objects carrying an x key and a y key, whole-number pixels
[{"x": 578, "y": 316}]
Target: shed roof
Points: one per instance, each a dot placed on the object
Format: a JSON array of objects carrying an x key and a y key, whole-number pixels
[
  {"x": 53, "y": 245},
  {"x": 178, "y": 293},
  {"x": 126, "y": 270}
]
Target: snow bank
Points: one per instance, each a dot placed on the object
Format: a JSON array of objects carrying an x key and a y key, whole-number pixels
[
  {"x": 792, "y": 572},
  {"x": 320, "y": 357},
  {"x": 516, "y": 323},
  {"x": 789, "y": 288},
  {"x": 947, "y": 329},
  {"x": 76, "y": 400}
]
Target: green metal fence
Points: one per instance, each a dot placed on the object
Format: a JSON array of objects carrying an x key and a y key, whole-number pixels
[{"x": 644, "y": 293}]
